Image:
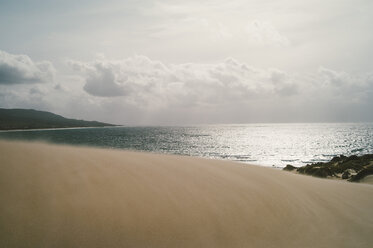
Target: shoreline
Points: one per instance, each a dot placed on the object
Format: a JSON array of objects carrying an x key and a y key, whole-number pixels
[
  {"x": 251, "y": 163},
  {"x": 66, "y": 196},
  {"x": 233, "y": 143},
  {"x": 57, "y": 128}
]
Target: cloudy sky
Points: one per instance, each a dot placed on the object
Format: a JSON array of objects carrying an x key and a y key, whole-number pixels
[{"x": 145, "y": 62}]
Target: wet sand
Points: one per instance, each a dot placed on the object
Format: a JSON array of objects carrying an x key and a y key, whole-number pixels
[{"x": 63, "y": 196}]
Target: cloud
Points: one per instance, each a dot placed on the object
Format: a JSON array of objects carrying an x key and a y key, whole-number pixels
[
  {"x": 229, "y": 91},
  {"x": 264, "y": 33},
  {"x": 126, "y": 77},
  {"x": 283, "y": 84},
  {"x": 20, "y": 69},
  {"x": 103, "y": 82},
  {"x": 138, "y": 90},
  {"x": 146, "y": 82}
]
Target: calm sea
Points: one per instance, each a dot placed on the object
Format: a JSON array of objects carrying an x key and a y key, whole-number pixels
[{"x": 263, "y": 144}]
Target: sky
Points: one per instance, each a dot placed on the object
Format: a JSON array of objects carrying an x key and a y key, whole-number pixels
[{"x": 189, "y": 62}]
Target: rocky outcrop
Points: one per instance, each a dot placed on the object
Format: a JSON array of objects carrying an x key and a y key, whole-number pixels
[
  {"x": 363, "y": 173},
  {"x": 352, "y": 168},
  {"x": 289, "y": 167}
]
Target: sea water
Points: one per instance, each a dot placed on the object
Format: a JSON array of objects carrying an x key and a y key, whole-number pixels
[{"x": 262, "y": 144}]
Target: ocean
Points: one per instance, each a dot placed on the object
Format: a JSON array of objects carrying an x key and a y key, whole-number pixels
[{"x": 262, "y": 144}]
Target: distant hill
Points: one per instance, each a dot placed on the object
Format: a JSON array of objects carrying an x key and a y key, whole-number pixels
[{"x": 33, "y": 119}]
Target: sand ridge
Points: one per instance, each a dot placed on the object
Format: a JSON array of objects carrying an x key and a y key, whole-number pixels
[{"x": 63, "y": 196}]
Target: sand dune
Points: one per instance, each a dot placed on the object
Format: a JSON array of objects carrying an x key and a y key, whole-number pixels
[{"x": 61, "y": 196}]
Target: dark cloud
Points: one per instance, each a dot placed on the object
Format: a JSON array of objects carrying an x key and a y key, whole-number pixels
[
  {"x": 102, "y": 82},
  {"x": 20, "y": 69}
]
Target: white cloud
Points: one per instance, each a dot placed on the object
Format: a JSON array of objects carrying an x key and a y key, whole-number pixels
[
  {"x": 20, "y": 69},
  {"x": 138, "y": 90},
  {"x": 264, "y": 33},
  {"x": 146, "y": 82},
  {"x": 225, "y": 91}
]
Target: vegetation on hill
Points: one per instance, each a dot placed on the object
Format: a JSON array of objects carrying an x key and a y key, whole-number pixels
[{"x": 11, "y": 119}]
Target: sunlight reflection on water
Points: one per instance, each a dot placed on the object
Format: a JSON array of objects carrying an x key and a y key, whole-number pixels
[{"x": 263, "y": 144}]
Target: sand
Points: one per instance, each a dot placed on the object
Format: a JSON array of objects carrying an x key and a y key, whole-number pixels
[{"x": 61, "y": 196}]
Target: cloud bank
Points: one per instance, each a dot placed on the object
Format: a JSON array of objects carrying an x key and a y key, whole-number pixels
[
  {"x": 20, "y": 69},
  {"x": 144, "y": 80},
  {"x": 229, "y": 91},
  {"x": 138, "y": 90}
]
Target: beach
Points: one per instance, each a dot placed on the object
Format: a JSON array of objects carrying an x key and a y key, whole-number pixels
[{"x": 70, "y": 196}]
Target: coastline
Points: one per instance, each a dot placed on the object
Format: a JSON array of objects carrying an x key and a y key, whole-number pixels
[
  {"x": 241, "y": 144},
  {"x": 65, "y": 196},
  {"x": 55, "y": 128}
]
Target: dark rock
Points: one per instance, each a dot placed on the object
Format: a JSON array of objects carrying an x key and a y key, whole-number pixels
[
  {"x": 301, "y": 169},
  {"x": 361, "y": 174},
  {"x": 367, "y": 157},
  {"x": 322, "y": 172},
  {"x": 317, "y": 170},
  {"x": 347, "y": 166},
  {"x": 336, "y": 159},
  {"x": 353, "y": 157},
  {"x": 355, "y": 165},
  {"x": 348, "y": 173},
  {"x": 289, "y": 167}
]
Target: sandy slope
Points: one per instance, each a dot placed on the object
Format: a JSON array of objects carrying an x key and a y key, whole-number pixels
[{"x": 60, "y": 196}]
